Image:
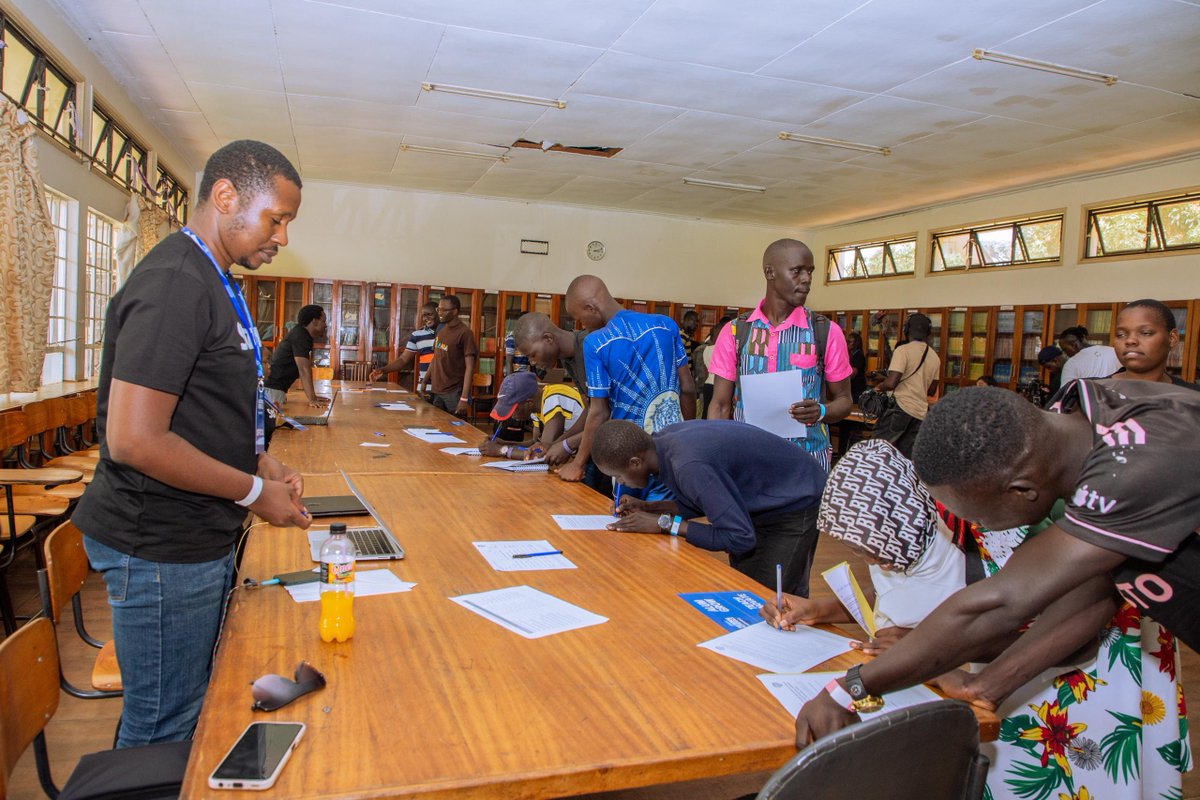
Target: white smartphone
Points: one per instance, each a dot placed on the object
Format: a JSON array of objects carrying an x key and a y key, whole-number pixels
[{"x": 257, "y": 758}]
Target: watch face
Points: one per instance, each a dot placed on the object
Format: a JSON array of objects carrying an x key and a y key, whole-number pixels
[
  {"x": 664, "y": 521},
  {"x": 595, "y": 250}
]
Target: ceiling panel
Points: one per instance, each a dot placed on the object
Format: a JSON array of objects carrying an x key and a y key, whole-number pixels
[
  {"x": 600, "y": 121},
  {"x": 507, "y": 63},
  {"x": 378, "y": 57},
  {"x": 718, "y": 33},
  {"x": 503, "y": 180},
  {"x": 237, "y": 113},
  {"x": 586, "y": 190},
  {"x": 719, "y": 91},
  {"x": 698, "y": 139},
  {"x": 354, "y": 148}
]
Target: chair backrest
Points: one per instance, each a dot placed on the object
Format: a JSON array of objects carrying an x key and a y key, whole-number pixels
[
  {"x": 481, "y": 381},
  {"x": 14, "y": 431},
  {"x": 66, "y": 567},
  {"x": 29, "y": 691},
  {"x": 356, "y": 370},
  {"x": 918, "y": 753}
]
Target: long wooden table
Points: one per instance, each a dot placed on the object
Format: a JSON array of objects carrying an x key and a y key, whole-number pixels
[{"x": 431, "y": 700}]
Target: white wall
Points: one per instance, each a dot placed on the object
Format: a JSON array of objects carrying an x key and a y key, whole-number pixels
[
  {"x": 371, "y": 233},
  {"x": 1161, "y": 277}
]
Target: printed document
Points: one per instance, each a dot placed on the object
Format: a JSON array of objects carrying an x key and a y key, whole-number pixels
[
  {"x": 584, "y": 522},
  {"x": 528, "y": 612},
  {"x": 767, "y": 400},
  {"x": 793, "y": 691},
  {"x": 779, "y": 651},
  {"x": 500, "y": 556}
]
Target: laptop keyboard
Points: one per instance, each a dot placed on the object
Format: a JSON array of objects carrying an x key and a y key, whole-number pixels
[{"x": 370, "y": 541}]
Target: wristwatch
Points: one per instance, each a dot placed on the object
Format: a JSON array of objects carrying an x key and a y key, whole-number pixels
[
  {"x": 664, "y": 523},
  {"x": 863, "y": 700}
]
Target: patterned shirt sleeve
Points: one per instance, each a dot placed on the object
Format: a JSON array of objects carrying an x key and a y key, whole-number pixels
[
  {"x": 837, "y": 355},
  {"x": 724, "y": 355}
]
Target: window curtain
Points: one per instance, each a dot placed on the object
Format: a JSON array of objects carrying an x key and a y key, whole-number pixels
[
  {"x": 144, "y": 226},
  {"x": 26, "y": 254},
  {"x": 152, "y": 226}
]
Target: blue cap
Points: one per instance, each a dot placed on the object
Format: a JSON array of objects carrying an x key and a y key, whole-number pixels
[{"x": 516, "y": 389}]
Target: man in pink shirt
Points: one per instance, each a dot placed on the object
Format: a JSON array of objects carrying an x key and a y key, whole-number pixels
[{"x": 781, "y": 337}]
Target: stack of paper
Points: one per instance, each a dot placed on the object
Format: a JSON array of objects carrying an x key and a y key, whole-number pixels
[
  {"x": 793, "y": 691},
  {"x": 525, "y": 610},
  {"x": 434, "y": 436},
  {"x": 366, "y": 583},
  {"x": 395, "y": 406},
  {"x": 846, "y": 587},
  {"x": 779, "y": 651}
]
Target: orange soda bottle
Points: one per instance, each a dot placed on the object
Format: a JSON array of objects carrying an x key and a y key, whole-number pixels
[{"x": 337, "y": 585}]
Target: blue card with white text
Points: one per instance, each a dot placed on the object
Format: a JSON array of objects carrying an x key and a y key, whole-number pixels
[{"x": 730, "y": 610}]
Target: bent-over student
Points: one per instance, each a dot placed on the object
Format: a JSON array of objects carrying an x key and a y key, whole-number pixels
[
  {"x": 555, "y": 409},
  {"x": 1123, "y": 452},
  {"x": 293, "y": 359},
  {"x": 757, "y": 490}
]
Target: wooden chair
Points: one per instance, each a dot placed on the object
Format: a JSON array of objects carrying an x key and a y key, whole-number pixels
[
  {"x": 481, "y": 398},
  {"x": 29, "y": 697},
  {"x": 916, "y": 753},
  {"x": 61, "y": 582},
  {"x": 356, "y": 370}
]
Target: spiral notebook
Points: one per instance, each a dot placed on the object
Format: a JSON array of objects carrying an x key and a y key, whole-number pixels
[{"x": 532, "y": 465}]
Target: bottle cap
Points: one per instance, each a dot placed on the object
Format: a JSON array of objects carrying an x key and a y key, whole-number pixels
[{"x": 337, "y": 529}]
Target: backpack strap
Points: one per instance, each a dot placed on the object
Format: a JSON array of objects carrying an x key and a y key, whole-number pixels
[
  {"x": 741, "y": 335},
  {"x": 820, "y": 328}
]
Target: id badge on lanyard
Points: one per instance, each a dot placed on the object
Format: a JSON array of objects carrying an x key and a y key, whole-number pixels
[{"x": 243, "y": 314}]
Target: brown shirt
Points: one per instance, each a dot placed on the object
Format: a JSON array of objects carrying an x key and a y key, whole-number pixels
[{"x": 454, "y": 343}]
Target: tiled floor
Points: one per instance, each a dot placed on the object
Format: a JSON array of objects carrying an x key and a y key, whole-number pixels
[{"x": 84, "y": 726}]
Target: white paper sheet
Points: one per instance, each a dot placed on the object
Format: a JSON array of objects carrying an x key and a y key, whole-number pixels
[
  {"x": 584, "y": 522},
  {"x": 528, "y": 612},
  {"x": 396, "y": 407},
  {"x": 374, "y": 444},
  {"x": 434, "y": 436},
  {"x": 532, "y": 465},
  {"x": 366, "y": 583},
  {"x": 768, "y": 398},
  {"x": 793, "y": 691},
  {"x": 846, "y": 587},
  {"x": 462, "y": 451},
  {"x": 500, "y": 556},
  {"x": 779, "y": 651}
]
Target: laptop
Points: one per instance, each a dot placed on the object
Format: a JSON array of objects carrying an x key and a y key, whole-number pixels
[
  {"x": 323, "y": 419},
  {"x": 373, "y": 544},
  {"x": 344, "y": 505}
]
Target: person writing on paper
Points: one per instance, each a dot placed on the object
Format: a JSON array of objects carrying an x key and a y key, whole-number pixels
[
  {"x": 756, "y": 489},
  {"x": 1123, "y": 454},
  {"x": 558, "y": 407},
  {"x": 874, "y": 504},
  {"x": 782, "y": 335}
]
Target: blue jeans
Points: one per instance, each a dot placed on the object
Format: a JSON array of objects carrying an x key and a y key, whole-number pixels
[{"x": 165, "y": 623}]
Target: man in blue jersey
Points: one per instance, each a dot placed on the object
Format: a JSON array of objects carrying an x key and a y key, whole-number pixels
[{"x": 636, "y": 367}]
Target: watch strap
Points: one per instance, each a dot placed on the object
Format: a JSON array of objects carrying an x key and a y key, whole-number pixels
[
  {"x": 854, "y": 684},
  {"x": 675, "y": 523},
  {"x": 839, "y": 695}
]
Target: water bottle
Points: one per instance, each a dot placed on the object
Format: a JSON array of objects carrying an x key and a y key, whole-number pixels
[{"x": 337, "y": 585}]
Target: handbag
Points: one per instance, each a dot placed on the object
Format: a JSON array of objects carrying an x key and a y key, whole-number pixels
[{"x": 873, "y": 404}]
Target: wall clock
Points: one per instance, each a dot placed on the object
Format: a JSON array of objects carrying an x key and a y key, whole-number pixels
[{"x": 595, "y": 250}]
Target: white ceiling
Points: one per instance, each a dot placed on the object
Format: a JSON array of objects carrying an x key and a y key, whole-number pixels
[{"x": 698, "y": 88}]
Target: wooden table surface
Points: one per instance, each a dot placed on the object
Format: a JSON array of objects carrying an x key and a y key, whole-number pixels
[
  {"x": 321, "y": 449},
  {"x": 431, "y": 700},
  {"x": 17, "y": 399}
]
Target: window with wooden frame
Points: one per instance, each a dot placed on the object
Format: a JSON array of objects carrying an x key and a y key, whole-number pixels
[
  {"x": 171, "y": 197},
  {"x": 872, "y": 259},
  {"x": 1005, "y": 243},
  {"x": 1158, "y": 225},
  {"x": 37, "y": 84}
]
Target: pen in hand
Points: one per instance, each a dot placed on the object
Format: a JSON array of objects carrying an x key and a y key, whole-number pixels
[
  {"x": 617, "y": 500},
  {"x": 779, "y": 595}
]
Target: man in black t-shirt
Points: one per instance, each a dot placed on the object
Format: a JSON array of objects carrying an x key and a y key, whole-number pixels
[
  {"x": 293, "y": 358},
  {"x": 1123, "y": 452},
  {"x": 180, "y": 463}
]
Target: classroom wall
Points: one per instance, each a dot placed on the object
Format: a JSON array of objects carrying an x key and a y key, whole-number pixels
[
  {"x": 1174, "y": 277},
  {"x": 372, "y": 233}
]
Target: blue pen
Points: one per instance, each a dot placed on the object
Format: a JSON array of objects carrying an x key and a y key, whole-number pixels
[
  {"x": 617, "y": 499},
  {"x": 535, "y": 555},
  {"x": 495, "y": 433},
  {"x": 779, "y": 592}
]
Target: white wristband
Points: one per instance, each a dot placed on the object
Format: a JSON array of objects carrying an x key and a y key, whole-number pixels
[
  {"x": 840, "y": 695},
  {"x": 251, "y": 496}
]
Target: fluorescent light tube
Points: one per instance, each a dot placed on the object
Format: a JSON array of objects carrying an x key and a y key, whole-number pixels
[
  {"x": 863, "y": 148},
  {"x": 1043, "y": 66},
  {"x": 488, "y": 94},
  {"x": 737, "y": 187},
  {"x": 446, "y": 151}
]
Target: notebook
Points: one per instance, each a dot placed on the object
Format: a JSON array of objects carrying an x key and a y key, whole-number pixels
[
  {"x": 323, "y": 419},
  {"x": 532, "y": 465},
  {"x": 373, "y": 544}
]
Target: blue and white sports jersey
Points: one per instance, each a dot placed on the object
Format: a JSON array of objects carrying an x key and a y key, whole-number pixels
[{"x": 634, "y": 362}]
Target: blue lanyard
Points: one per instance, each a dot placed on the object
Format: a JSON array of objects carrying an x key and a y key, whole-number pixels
[
  {"x": 237, "y": 298},
  {"x": 243, "y": 312}
]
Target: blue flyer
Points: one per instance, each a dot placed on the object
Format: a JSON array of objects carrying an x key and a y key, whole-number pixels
[{"x": 730, "y": 610}]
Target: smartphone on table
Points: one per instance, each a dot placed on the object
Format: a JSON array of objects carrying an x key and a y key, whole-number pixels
[{"x": 258, "y": 756}]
